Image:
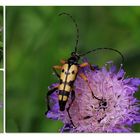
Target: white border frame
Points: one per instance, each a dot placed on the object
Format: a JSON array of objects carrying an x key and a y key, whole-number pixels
[
  {"x": 3, "y": 70},
  {"x": 71, "y": 2}
]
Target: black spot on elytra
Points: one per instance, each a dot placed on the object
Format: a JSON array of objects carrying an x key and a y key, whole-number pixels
[
  {"x": 73, "y": 72},
  {"x": 71, "y": 83}
]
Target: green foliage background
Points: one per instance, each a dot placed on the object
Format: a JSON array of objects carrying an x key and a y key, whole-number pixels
[
  {"x": 1, "y": 101},
  {"x": 37, "y": 39}
]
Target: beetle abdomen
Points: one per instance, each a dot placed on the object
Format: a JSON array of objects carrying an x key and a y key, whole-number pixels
[
  {"x": 67, "y": 78},
  {"x": 63, "y": 97}
]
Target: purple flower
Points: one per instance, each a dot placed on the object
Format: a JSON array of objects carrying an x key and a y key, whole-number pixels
[{"x": 116, "y": 110}]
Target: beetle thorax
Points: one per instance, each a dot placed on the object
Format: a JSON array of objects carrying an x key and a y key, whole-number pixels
[{"x": 73, "y": 59}]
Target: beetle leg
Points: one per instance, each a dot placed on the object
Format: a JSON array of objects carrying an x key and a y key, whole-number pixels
[
  {"x": 91, "y": 67},
  {"x": 86, "y": 64},
  {"x": 72, "y": 99},
  {"x": 83, "y": 76},
  {"x": 48, "y": 94},
  {"x": 62, "y": 61},
  {"x": 57, "y": 68}
]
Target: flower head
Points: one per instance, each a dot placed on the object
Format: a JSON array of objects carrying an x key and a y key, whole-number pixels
[{"x": 109, "y": 106}]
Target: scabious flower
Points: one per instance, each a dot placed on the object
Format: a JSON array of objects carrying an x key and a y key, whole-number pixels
[{"x": 115, "y": 109}]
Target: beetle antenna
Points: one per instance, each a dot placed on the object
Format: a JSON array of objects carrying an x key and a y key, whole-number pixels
[
  {"x": 105, "y": 49},
  {"x": 77, "y": 29}
]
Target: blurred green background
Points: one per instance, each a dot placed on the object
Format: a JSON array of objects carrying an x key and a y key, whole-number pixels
[
  {"x": 37, "y": 39},
  {"x": 1, "y": 34},
  {"x": 1, "y": 101}
]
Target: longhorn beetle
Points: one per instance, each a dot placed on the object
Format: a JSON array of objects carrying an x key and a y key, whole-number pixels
[{"x": 69, "y": 71}]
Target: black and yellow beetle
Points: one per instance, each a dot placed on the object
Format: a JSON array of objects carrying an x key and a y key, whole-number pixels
[{"x": 69, "y": 71}]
